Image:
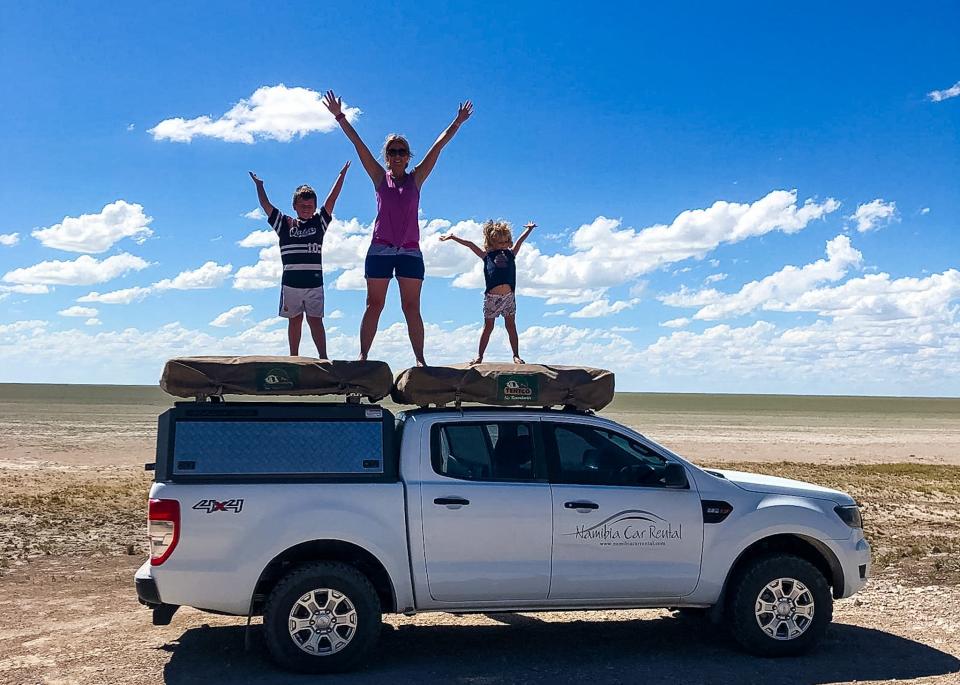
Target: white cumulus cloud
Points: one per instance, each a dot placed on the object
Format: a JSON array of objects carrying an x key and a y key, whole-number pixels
[
  {"x": 209, "y": 275},
  {"x": 676, "y": 323},
  {"x": 264, "y": 238},
  {"x": 26, "y": 289},
  {"x": 84, "y": 270},
  {"x": 256, "y": 214},
  {"x": 777, "y": 291},
  {"x": 9, "y": 239},
  {"x": 124, "y": 296},
  {"x": 233, "y": 316},
  {"x": 604, "y": 308},
  {"x": 271, "y": 113},
  {"x": 873, "y": 214},
  {"x": 85, "y": 312},
  {"x": 940, "y": 95},
  {"x": 95, "y": 233}
]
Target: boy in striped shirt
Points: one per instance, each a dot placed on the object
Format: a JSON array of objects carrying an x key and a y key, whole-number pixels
[{"x": 301, "y": 241}]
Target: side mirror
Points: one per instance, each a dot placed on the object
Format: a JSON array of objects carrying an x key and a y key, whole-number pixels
[{"x": 674, "y": 476}]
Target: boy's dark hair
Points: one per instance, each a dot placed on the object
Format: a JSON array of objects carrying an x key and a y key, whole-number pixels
[{"x": 304, "y": 192}]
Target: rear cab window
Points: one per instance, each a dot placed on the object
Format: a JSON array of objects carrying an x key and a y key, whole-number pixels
[{"x": 487, "y": 451}]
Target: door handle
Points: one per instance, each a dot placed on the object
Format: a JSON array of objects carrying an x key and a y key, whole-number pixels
[
  {"x": 581, "y": 504},
  {"x": 458, "y": 501}
]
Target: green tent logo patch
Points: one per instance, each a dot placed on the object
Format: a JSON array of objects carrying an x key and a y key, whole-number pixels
[
  {"x": 278, "y": 378},
  {"x": 518, "y": 388}
]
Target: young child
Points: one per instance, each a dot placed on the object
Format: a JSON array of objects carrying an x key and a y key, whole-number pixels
[
  {"x": 499, "y": 255},
  {"x": 301, "y": 240}
]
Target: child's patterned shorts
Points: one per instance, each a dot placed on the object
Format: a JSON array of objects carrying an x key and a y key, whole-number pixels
[{"x": 499, "y": 305}]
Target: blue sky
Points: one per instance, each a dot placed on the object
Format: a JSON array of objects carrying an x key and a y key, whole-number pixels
[{"x": 742, "y": 198}]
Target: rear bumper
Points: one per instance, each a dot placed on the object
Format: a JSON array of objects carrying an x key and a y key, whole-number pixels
[
  {"x": 147, "y": 591},
  {"x": 149, "y": 595}
]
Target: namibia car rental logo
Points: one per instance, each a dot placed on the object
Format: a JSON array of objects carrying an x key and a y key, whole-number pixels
[{"x": 632, "y": 527}]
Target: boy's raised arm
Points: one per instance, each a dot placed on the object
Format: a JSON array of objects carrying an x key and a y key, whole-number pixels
[
  {"x": 262, "y": 195},
  {"x": 335, "y": 190},
  {"x": 423, "y": 169},
  {"x": 523, "y": 236},
  {"x": 370, "y": 164},
  {"x": 466, "y": 243}
]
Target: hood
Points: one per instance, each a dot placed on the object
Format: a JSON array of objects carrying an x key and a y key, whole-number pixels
[{"x": 772, "y": 485}]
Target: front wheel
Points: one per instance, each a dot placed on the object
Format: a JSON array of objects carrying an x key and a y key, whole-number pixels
[
  {"x": 322, "y": 617},
  {"x": 780, "y": 606}
]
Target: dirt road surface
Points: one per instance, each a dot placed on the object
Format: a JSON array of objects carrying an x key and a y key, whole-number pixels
[{"x": 67, "y": 622}]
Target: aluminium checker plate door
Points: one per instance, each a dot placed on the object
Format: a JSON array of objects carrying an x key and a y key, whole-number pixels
[
  {"x": 618, "y": 531},
  {"x": 486, "y": 518}
]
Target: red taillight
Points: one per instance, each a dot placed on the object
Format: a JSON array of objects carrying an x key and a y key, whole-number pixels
[{"x": 163, "y": 527}]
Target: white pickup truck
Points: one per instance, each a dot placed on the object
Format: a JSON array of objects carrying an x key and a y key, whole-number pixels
[{"x": 320, "y": 517}]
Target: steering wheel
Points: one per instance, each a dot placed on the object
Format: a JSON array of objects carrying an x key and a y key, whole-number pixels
[{"x": 636, "y": 473}]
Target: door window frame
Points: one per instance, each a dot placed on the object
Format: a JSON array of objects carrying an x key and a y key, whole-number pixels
[
  {"x": 552, "y": 451},
  {"x": 541, "y": 471}
]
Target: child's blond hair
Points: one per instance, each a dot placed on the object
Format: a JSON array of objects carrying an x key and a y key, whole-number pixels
[{"x": 494, "y": 231}]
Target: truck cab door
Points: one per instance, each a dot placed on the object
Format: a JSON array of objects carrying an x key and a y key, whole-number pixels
[
  {"x": 486, "y": 512},
  {"x": 619, "y": 530}
]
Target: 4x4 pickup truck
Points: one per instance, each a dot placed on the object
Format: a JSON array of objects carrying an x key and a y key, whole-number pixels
[{"x": 320, "y": 517}]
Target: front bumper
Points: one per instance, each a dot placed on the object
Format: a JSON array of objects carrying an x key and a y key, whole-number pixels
[{"x": 855, "y": 558}]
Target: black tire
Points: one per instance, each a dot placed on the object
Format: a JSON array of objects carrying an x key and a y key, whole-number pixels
[
  {"x": 347, "y": 581},
  {"x": 746, "y": 592}
]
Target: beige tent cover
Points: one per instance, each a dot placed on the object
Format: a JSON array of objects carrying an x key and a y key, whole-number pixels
[
  {"x": 506, "y": 384},
  {"x": 263, "y": 375}
]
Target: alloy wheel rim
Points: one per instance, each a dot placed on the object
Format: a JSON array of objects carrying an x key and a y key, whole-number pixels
[
  {"x": 322, "y": 622},
  {"x": 784, "y": 609}
]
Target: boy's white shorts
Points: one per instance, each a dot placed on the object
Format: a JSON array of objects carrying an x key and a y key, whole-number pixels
[{"x": 296, "y": 301}]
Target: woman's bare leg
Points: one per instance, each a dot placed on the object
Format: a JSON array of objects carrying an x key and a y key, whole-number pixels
[
  {"x": 376, "y": 296},
  {"x": 410, "y": 303}
]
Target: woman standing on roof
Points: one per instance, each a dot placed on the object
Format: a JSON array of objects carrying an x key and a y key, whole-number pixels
[{"x": 396, "y": 232}]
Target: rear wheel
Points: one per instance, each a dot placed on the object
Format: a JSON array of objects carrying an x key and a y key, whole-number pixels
[
  {"x": 322, "y": 617},
  {"x": 780, "y": 606}
]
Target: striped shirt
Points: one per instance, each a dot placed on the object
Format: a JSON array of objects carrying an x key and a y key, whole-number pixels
[{"x": 300, "y": 247}]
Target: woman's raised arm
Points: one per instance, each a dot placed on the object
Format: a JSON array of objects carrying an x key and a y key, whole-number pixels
[
  {"x": 423, "y": 169},
  {"x": 374, "y": 170}
]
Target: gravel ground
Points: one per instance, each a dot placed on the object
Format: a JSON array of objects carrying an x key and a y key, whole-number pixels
[{"x": 66, "y": 621}]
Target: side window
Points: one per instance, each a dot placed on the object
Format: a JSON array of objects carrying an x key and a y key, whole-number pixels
[
  {"x": 593, "y": 456},
  {"x": 489, "y": 451}
]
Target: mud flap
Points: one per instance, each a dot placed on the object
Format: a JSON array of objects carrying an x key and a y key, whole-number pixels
[{"x": 163, "y": 614}]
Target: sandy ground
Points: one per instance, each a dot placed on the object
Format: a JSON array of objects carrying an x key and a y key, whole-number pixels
[{"x": 72, "y": 502}]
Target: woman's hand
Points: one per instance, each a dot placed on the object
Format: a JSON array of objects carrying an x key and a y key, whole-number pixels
[
  {"x": 464, "y": 112},
  {"x": 448, "y": 236},
  {"x": 333, "y": 103},
  {"x": 256, "y": 179},
  {"x": 345, "y": 167}
]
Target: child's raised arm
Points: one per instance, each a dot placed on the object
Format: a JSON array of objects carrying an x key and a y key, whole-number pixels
[
  {"x": 262, "y": 195},
  {"x": 523, "y": 236},
  {"x": 335, "y": 191},
  {"x": 466, "y": 243},
  {"x": 370, "y": 164}
]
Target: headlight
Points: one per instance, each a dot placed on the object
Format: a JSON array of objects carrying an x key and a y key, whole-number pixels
[{"x": 850, "y": 515}]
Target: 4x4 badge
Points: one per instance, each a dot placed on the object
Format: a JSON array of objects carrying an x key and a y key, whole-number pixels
[{"x": 212, "y": 505}]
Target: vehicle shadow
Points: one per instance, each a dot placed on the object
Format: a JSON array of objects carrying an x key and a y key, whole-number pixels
[{"x": 523, "y": 649}]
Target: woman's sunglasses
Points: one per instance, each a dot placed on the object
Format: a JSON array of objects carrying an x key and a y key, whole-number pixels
[{"x": 397, "y": 152}]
